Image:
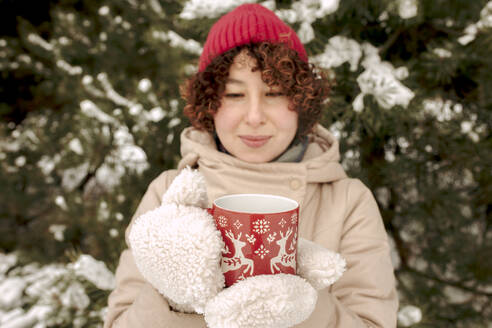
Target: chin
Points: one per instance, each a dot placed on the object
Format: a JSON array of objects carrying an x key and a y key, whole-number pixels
[{"x": 256, "y": 159}]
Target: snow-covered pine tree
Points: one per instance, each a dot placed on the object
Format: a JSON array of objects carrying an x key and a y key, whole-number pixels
[{"x": 103, "y": 119}]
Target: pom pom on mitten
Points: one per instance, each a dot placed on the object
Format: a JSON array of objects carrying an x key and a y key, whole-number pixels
[
  {"x": 265, "y": 301},
  {"x": 188, "y": 188},
  {"x": 177, "y": 247},
  {"x": 318, "y": 265}
]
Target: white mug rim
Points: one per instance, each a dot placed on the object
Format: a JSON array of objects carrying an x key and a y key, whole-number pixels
[{"x": 293, "y": 204}]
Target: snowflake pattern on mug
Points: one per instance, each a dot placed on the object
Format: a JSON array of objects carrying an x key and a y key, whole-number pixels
[
  {"x": 293, "y": 218},
  {"x": 222, "y": 221},
  {"x": 282, "y": 223},
  {"x": 261, "y": 226},
  {"x": 238, "y": 224},
  {"x": 262, "y": 251}
]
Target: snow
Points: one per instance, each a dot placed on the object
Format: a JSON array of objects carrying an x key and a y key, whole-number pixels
[
  {"x": 64, "y": 41},
  {"x": 389, "y": 155},
  {"x": 466, "y": 126},
  {"x": 173, "y": 122},
  {"x": 24, "y": 59},
  {"x": 126, "y": 155},
  {"x": 177, "y": 41},
  {"x": 91, "y": 110},
  {"x": 111, "y": 92},
  {"x": 156, "y": 114},
  {"x": 103, "y": 211},
  {"x": 7, "y": 261},
  {"x": 76, "y": 146},
  {"x": 409, "y": 315},
  {"x": 144, "y": 85},
  {"x": 37, "y": 40},
  {"x": 11, "y": 290},
  {"x": 94, "y": 271},
  {"x": 87, "y": 79},
  {"x": 442, "y": 110},
  {"x": 407, "y": 8},
  {"x": 339, "y": 50},
  {"x": 20, "y": 161},
  {"x": 381, "y": 80},
  {"x": 306, "y": 32},
  {"x": 71, "y": 70},
  {"x": 336, "y": 129},
  {"x": 75, "y": 297},
  {"x": 386, "y": 89},
  {"x": 308, "y": 10},
  {"x": 119, "y": 216},
  {"x": 50, "y": 295},
  {"x": 113, "y": 233},
  {"x": 486, "y": 16},
  {"x": 60, "y": 201},
  {"x": 156, "y": 6},
  {"x": 103, "y": 11},
  {"x": 209, "y": 8},
  {"x": 58, "y": 231},
  {"x": 103, "y": 36},
  {"x": 485, "y": 21},
  {"x": 72, "y": 177},
  {"x": 135, "y": 109},
  {"x": 442, "y": 53}
]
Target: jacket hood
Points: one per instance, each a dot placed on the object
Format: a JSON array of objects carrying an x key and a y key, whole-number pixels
[{"x": 321, "y": 160}]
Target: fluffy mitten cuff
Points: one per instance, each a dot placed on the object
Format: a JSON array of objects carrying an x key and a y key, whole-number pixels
[
  {"x": 318, "y": 265},
  {"x": 177, "y": 247},
  {"x": 265, "y": 301}
]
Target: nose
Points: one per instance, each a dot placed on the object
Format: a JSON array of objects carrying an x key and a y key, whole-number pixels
[{"x": 255, "y": 116}]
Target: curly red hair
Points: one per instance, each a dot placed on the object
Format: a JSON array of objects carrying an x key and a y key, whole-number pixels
[{"x": 280, "y": 66}]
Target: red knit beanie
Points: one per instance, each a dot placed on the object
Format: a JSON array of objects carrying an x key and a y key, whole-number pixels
[{"x": 248, "y": 23}]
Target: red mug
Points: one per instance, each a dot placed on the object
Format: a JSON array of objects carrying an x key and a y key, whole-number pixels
[{"x": 259, "y": 232}]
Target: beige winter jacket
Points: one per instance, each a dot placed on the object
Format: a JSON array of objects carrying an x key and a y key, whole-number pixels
[{"x": 336, "y": 212}]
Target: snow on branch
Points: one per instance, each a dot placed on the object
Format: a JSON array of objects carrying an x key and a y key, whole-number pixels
[
  {"x": 37, "y": 40},
  {"x": 194, "y": 9},
  {"x": 472, "y": 30},
  {"x": 177, "y": 41}
]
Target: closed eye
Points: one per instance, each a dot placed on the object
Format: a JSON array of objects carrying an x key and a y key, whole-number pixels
[
  {"x": 233, "y": 95},
  {"x": 275, "y": 94}
]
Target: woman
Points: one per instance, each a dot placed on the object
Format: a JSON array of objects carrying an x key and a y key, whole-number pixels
[{"x": 254, "y": 106}]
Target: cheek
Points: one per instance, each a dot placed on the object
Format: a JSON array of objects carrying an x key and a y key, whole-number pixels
[
  {"x": 224, "y": 120},
  {"x": 288, "y": 121}
]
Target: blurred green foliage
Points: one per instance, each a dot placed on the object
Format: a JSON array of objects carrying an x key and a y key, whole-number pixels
[{"x": 62, "y": 164}]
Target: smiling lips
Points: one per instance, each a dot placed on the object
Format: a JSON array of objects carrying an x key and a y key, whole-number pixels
[{"x": 255, "y": 141}]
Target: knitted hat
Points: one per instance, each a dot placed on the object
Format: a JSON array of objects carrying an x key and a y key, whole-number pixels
[{"x": 248, "y": 23}]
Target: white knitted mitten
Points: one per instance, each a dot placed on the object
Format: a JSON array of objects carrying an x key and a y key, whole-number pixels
[
  {"x": 265, "y": 301},
  {"x": 177, "y": 247},
  {"x": 318, "y": 265},
  {"x": 280, "y": 300}
]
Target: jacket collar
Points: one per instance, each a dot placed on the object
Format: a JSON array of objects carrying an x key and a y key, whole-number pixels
[{"x": 320, "y": 161}]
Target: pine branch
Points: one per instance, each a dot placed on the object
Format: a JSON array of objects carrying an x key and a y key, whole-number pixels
[
  {"x": 389, "y": 42},
  {"x": 92, "y": 173},
  {"x": 456, "y": 284}
]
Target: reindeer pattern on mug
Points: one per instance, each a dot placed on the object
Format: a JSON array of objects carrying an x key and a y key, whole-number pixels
[{"x": 270, "y": 240}]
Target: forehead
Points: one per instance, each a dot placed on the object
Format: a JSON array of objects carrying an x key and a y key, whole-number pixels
[{"x": 243, "y": 60}]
